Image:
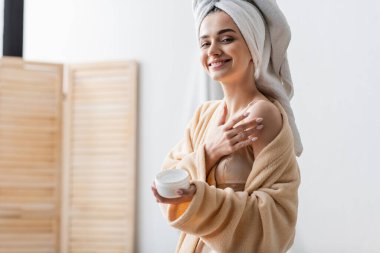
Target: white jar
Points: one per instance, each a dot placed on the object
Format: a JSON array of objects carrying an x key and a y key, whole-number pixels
[{"x": 169, "y": 181}]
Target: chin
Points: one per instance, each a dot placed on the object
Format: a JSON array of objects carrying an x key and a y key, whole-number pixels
[
  {"x": 218, "y": 76},
  {"x": 215, "y": 78}
]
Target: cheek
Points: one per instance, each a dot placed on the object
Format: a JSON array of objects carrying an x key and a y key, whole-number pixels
[
  {"x": 239, "y": 53},
  {"x": 203, "y": 59},
  {"x": 242, "y": 57}
]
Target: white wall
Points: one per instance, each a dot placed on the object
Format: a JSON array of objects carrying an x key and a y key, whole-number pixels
[
  {"x": 159, "y": 35},
  {"x": 333, "y": 57}
]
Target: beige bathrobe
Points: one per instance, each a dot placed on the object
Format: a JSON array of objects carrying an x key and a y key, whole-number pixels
[{"x": 261, "y": 219}]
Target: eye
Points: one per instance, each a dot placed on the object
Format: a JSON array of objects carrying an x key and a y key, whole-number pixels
[
  {"x": 227, "y": 40},
  {"x": 205, "y": 44}
]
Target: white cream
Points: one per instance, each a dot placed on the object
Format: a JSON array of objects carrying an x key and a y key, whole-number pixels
[{"x": 169, "y": 181}]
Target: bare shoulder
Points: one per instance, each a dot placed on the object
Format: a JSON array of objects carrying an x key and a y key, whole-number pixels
[{"x": 272, "y": 121}]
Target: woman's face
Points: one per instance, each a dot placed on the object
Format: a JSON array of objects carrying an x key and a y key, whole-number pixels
[{"x": 224, "y": 52}]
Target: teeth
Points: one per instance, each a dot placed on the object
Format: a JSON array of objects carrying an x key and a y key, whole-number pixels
[{"x": 216, "y": 64}]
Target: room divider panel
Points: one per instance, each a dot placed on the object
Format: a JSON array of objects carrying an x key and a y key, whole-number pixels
[
  {"x": 30, "y": 156},
  {"x": 67, "y": 160},
  {"x": 100, "y": 146}
]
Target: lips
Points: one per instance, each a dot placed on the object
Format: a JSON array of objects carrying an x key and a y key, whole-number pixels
[{"x": 218, "y": 63}]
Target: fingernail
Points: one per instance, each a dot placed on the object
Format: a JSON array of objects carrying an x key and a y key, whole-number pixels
[
  {"x": 180, "y": 192},
  {"x": 258, "y": 120},
  {"x": 246, "y": 114},
  {"x": 259, "y": 127},
  {"x": 253, "y": 139}
]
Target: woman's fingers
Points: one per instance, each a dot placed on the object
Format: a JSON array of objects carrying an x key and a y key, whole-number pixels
[
  {"x": 186, "y": 195},
  {"x": 155, "y": 192},
  {"x": 187, "y": 192},
  {"x": 245, "y": 134},
  {"x": 242, "y": 144},
  {"x": 251, "y": 123},
  {"x": 159, "y": 198},
  {"x": 243, "y": 131},
  {"x": 230, "y": 124}
]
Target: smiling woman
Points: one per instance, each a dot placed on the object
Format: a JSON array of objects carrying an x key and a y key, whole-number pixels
[
  {"x": 224, "y": 52},
  {"x": 240, "y": 152}
]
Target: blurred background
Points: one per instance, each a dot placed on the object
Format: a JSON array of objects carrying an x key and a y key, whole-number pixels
[{"x": 333, "y": 57}]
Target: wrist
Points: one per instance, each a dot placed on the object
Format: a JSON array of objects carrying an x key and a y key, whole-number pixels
[{"x": 211, "y": 157}]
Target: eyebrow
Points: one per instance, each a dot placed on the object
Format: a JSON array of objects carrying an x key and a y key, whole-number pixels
[{"x": 220, "y": 32}]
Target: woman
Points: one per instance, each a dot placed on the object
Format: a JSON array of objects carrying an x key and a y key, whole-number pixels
[{"x": 241, "y": 151}]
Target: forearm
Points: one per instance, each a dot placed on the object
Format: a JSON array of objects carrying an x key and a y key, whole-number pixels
[{"x": 238, "y": 221}]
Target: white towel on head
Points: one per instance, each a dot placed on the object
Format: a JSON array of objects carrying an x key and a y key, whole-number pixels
[{"x": 267, "y": 33}]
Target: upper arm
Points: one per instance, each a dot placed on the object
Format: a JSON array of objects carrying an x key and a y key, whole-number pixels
[{"x": 272, "y": 121}]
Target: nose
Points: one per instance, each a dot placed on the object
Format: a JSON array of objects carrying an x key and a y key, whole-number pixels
[{"x": 214, "y": 49}]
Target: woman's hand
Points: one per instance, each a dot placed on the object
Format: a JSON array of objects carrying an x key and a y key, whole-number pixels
[
  {"x": 186, "y": 195},
  {"x": 230, "y": 136}
]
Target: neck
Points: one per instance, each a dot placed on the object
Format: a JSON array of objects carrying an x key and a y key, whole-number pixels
[{"x": 239, "y": 94}]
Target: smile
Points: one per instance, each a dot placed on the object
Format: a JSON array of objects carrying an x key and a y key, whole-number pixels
[{"x": 218, "y": 63}]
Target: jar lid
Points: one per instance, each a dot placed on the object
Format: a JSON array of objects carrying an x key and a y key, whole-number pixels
[{"x": 172, "y": 176}]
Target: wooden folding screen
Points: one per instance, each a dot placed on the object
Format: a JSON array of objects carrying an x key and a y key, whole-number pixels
[
  {"x": 30, "y": 156},
  {"x": 79, "y": 198},
  {"x": 99, "y": 180}
]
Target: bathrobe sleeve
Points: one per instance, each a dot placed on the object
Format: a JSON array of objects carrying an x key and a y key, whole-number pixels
[
  {"x": 228, "y": 221},
  {"x": 189, "y": 154}
]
